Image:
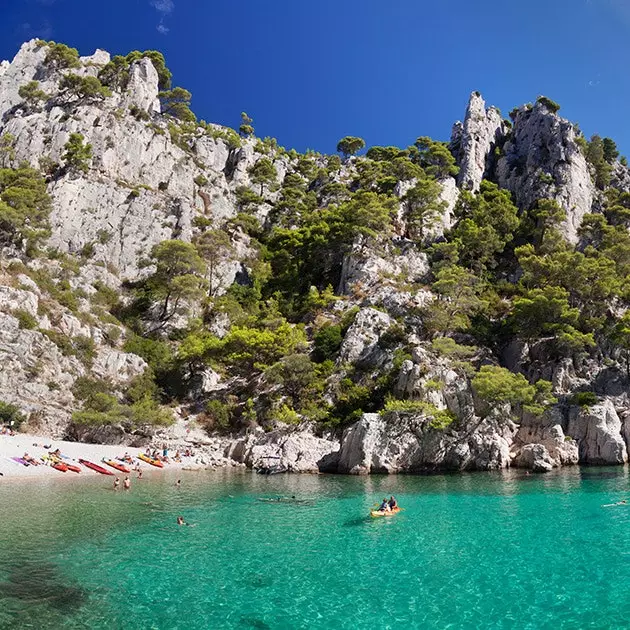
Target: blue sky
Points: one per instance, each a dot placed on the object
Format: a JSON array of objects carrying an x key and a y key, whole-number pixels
[{"x": 310, "y": 72}]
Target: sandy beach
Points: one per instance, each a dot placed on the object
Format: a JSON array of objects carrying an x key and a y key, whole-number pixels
[{"x": 21, "y": 443}]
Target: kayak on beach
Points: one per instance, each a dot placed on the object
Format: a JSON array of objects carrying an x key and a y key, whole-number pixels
[
  {"x": 117, "y": 465},
  {"x": 377, "y": 513},
  {"x": 72, "y": 467},
  {"x": 59, "y": 464},
  {"x": 95, "y": 467},
  {"x": 150, "y": 460}
]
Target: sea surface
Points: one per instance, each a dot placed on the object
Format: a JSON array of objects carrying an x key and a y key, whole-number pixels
[{"x": 483, "y": 550}]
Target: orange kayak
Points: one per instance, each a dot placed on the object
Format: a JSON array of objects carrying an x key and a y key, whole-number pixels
[
  {"x": 377, "y": 513},
  {"x": 150, "y": 460},
  {"x": 63, "y": 465},
  {"x": 117, "y": 465}
]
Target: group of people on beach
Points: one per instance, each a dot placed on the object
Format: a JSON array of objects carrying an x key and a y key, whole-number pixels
[
  {"x": 388, "y": 505},
  {"x": 164, "y": 455}
]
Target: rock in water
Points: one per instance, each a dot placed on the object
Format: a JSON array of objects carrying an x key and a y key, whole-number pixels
[
  {"x": 396, "y": 443},
  {"x": 598, "y": 431}
]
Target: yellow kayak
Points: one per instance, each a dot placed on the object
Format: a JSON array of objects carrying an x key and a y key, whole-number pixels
[
  {"x": 150, "y": 460},
  {"x": 377, "y": 513}
]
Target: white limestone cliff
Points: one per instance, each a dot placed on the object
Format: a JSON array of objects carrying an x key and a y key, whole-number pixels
[
  {"x": 141, "y": 188},
  {"x": 541, "y": 159},
  {"x": 473, "y": 141}
]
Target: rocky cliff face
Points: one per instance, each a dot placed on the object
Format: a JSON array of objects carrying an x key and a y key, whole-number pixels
[
  {"x": 537, "y": 158},
  {"x": 395, "y": 443},
  {"x": 145, "y": 185},
  {"x": 153, "y": 178},
  {"x": 39, "y": 371},
  {"x": 473, "y": 142},
  {"x": 141, "y": 188},
  {"x": 541, "y": 160}
]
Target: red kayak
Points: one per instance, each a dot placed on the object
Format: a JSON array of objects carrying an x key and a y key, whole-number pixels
[
  {"x": 60, "y": 467},
  {"x": 95, "y": 467},
  {"x": 116, "y": 465},
  {"x": 73, "y": 468}
]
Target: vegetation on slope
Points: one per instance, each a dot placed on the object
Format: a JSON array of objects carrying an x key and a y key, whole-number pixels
[{"x": 499, "y": 275}]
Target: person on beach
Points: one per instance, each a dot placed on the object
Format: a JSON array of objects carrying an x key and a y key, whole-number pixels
[
  {"x": 116, "y": 483},
  {"x": 179, "y": 483},
  {"x": 139, "y": 472},
  {"x": 126, "y": 483}
]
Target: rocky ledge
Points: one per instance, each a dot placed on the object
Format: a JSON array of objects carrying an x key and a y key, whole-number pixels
[{"x": 407, "y": 443}]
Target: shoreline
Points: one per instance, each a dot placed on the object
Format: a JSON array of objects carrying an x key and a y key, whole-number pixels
[
  {"x": 201, "y": 460},
  {"x": 21, "y": 443}
]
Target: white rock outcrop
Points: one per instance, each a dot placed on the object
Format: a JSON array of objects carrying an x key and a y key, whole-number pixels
[
  {"x": 36, "y": 376},
  {"x": 542, "y": 442},
  {"x": 361, "y": 341},
  {"x": 535, "y": 457},
  {"x": 541, "y": 159},
  {"x": 597, "y": 430},
  {"x": 473, "y": 141},
  {"x": 141, "y": 188},
  {"x": 299, "y": 451},
  {"x": 406, "y": 443}
]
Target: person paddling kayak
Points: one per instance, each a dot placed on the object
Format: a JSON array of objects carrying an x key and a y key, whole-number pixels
[{"x": 388, "y": 507}]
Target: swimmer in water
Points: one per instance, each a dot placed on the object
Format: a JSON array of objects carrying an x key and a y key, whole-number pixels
[{"x": 623, "y": 502}]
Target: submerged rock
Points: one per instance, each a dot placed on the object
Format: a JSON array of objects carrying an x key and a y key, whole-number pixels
[{"x": 42, "y": 583}]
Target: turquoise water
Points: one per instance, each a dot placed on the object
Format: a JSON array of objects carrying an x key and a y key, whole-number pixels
[{"x": 479, "y": 550}]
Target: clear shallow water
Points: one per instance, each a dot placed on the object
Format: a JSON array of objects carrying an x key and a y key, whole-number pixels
[{"x": 470, "y": 551}]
